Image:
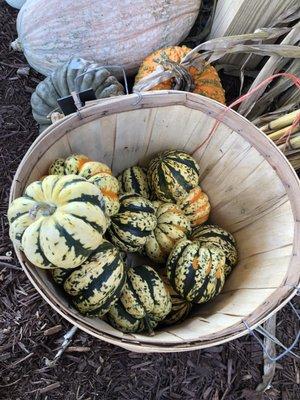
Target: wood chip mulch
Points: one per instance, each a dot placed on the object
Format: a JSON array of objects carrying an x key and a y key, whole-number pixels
[{"x": 31, "y": 332}]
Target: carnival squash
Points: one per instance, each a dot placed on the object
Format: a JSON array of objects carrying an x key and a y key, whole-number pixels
[
  {"x": 172, "y": 174},
  {"x": 134, "y": 180},
  {"x": 134, "y": 222},
  {"x": 109, "y": 188},
  {"x": 172, "y": 226},
  {"x": 221, "y": 238},
  {"x": 196, "y": 271},
  {"x": 144, "y": 302},
  {"x": 195, "y": 206},
  {"x": 97, "y": 284},
  {"x": 58, "y": 222},
  {"x": 119, "y": 33},
  {"x": 204, "y": 81},
  {"x": 180, "y": 307}
]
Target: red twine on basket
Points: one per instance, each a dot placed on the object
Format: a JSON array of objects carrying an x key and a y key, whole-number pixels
[{"x": 292, "y": 77}]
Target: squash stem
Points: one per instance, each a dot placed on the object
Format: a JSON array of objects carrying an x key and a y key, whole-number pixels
[{"x": 45, "y": 209}]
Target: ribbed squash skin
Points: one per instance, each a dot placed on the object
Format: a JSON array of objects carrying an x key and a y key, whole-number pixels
[
  {"x": 74, "y": 163},
  {"x": 58, "y": 222},
  {"x": 74, "y": 75},
  {"x": 172, "y": 226},
  {"x": 207, "y": 82},
  {"x": 172, "y": 174},
  {"x": 57, "y": 167},
  {"x": 196, "y": 271},
  {"x": 221, "y": 238},
  {"x": 195, "y": 206},
  {"x": 92, "y": 168},
  {"x": 180, "y": 307},
  {"x": 134, "y": 180},
  {"x": 134, "y": 222},
  {"x": 109, "y": 187},
  {"x": 144, "y": 302},
  {"x": 97, "y": 284}
]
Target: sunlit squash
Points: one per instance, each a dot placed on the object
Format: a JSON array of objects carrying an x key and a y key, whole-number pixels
[
  {"x": 58, "y": 222},
  {"x": 172, "y": 225},
  {"x": 97, "y": 284},
  {"x": 205, "y": 82},
  {"x": 144, "y": 302},
  {"x": 196, "y": 271}
]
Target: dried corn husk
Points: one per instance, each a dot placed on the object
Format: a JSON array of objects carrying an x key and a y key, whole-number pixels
[
  {"x": 281, "y": 122},
  {"x": 275, "y": 64}
]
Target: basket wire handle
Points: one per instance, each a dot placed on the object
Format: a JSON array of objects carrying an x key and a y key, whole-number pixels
[{"x": 266, "y": 334}]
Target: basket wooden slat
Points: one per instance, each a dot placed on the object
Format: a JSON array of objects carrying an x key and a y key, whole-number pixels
[{"x": 252, "y": 188}]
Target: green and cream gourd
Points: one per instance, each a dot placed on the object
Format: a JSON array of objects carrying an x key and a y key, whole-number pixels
[
  {"x": 196, "y": 271},
  {"x": 221, "y": 238},
  {"x": 109, "y": 187},
  {"x": 97, "y": 284},
  {"x": 144, "y": 302},
  {"x": 172, "y": 174},
  {"x": 172, "y": 226},
  {"x": 58, "y": 222},
  {"x": 134, "y": 180},
  {"x": 57, "y": 167},
  {"x": 180, "y": 307},
  {"x": 74, "y": 163},
  {"x": 96, "y": 172},
  {"x": 195, "y": 206},
  {"x": 134, "y": 222}
]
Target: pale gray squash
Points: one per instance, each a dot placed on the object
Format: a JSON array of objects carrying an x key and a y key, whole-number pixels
[{"x": 63, "y": 81}]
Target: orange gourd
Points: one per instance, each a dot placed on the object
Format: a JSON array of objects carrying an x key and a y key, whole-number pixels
[{"x": 205, "y": 82}]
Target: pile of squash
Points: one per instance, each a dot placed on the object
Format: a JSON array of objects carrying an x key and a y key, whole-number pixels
[{"x": 82, "y": 224}]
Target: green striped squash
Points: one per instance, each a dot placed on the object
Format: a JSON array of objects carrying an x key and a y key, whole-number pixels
[
  {"x": 97, "y": 284},
  {"x": 144, "y": 302},
  {"x": 172, "y": 226},
  {"x": 195, "y": 206},
  {"x": 74, "y": 163},
  {"x": 134, "y": 222},
  {"x": 221, "y": 238},
  {"x": 134, "y": 180},
  {"x": 180, "y": 307},
  {"x": 57, "y": 167},
  {"x": 109, "y": 187},
  {"x": 196, "y": 271},
  {"x": 58, "y": 222},
  {"x": 172, "y": 174}
]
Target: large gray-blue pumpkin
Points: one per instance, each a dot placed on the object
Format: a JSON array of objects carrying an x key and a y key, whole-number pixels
[{"x": 63, "y": 81}]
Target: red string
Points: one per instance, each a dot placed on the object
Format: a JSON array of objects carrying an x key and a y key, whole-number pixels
[{"x": 292, "y": 77}]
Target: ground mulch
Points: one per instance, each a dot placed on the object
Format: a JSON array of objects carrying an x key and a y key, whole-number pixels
[{"x": 31, "y": 332}]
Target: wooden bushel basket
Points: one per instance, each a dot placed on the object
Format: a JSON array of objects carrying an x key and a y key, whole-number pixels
[{"x": 254, "y": 193}]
